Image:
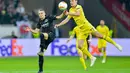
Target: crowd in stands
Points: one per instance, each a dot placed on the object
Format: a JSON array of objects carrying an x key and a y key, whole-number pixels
[
  {"x": 125, "y": 4},
  {"x": 11, "y": 11}
]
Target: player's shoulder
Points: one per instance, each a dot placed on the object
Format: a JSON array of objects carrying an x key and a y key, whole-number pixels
[
  {"x": 49, "y": 16},
  {"x": 98, "y": 26},
  {"x": 106, "y": 26},
  {"x": 78, "y": 6},
  {"x": 75, "y": 28}
]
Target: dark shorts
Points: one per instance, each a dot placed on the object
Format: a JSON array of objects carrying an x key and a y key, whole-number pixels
[{"x": 44, "y": 43}]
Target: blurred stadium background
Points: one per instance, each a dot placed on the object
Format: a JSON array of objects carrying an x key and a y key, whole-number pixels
[{"x": 18, "y": 48}]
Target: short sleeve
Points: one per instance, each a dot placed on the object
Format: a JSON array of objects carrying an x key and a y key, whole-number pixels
[
  {"x": 69, "y": 15},
  {"x": 97, "y": 28},
  {"x": 52, "y": 17},
  {"x": 78, "y": 7},
  {"x": 73, "y": 32}
]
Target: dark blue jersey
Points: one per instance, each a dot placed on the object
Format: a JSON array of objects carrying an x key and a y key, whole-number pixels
[{"x": 46, "y": 25}]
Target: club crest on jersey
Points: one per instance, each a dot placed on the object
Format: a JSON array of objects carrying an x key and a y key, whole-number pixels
[{"x": 45, "y": 25}]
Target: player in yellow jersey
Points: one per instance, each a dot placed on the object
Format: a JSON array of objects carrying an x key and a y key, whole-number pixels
[
  {"x": 79, "y": 36},
  {"x": 103, "y": 29},
  {"x": 76, "y": 12}
]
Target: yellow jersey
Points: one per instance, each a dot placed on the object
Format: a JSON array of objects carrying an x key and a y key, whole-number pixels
[
  {"x": 79, "y": 34},
  {"x": 78, "y": 19},
  {"x": 103, "y": 30}
]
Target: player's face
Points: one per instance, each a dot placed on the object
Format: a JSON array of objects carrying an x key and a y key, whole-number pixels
[
  {"x": 73, "y": 3},
  {"x": 41, "y": 14},
  {"x": 102, "y": 22}
]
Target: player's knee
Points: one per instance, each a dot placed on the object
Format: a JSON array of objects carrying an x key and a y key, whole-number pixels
[
  {"x": 85, "y": 57},
  {"x": 104, "y": 50},
  {"x": 80, "y": 46},
  {"x": 80, "y": 54},
  {"x": 100, "y": 50}
]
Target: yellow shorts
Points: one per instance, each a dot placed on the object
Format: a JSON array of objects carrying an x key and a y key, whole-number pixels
[
  {"x": 87, "y": 28},
  {"x": 101, "y": 43},
  {"x": 79, "y": 33},
  {"x": 84, "y": 45}
]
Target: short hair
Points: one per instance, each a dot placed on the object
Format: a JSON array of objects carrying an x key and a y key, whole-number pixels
[
  {"x": 76, "y": 0},
  {"x": 41, "y": 10}
]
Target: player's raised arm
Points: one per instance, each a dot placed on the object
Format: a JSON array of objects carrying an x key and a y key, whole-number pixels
[
  {"x": 76, "y": 13},
  {"x": 70, "y": 38},
  {"x": 61, "y": 15},
  {"x": 63, "y": 22},
  {"x": 33, "y": 31}
]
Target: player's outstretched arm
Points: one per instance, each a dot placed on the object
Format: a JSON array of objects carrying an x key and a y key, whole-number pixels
[
  {"x": 33, "y": 31},
  {"x": 76, "y": 13},
  {"x": 61, "y": 15},
  {"x": 71, "y": 37},
  {"x": 63, "y": 22}
]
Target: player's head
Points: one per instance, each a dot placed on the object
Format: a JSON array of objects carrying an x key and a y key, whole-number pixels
[
  {"x": 73, "y": 3},
  {"x": 102, "y": 22},
  {"x": 41, "y": 13}
]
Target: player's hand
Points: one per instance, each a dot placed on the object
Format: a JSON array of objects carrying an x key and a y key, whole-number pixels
[
  {"x": 28, "y": 29},
  {"x": 66, "y": 12},
  {"x": 89, "y": 41},
  {"x": 67, "y": 41},
  {"x": 56, "y": 26}
]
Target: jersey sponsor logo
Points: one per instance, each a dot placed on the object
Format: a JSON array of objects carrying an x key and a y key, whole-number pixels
[
  {"x": 45, "y": 25},
  {"x": 10, "y": 48}
]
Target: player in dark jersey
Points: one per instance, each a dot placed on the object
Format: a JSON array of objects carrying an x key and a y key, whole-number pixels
[{"x": 47, "y": 34}]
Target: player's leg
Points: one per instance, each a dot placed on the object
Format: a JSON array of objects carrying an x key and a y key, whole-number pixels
[
  {"x": 40, "y": 53},
  {"x": 85, "y": 56},
  {"x": 41, "y": 61},
  {"x": 100, "y": 45},
  {"x": 107, "y": 38},
  {"x": 104, "y": 51},
  {"x": 88, "y": 44},
  {"x": 104, "y": 55},
  {"x": 81, "y": 58},
  {"x": 85, "y": 51},
  {"x": 43, "y": 45}
]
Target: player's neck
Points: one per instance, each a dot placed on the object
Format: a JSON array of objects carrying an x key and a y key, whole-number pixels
[
  {"x": 74, "y": 6},
  {"x": 42, "y": 18},
  {"x": 102, "y": 25}
]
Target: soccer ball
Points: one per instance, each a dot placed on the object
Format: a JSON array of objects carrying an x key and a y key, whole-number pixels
[{"x": 62, "y": 5}]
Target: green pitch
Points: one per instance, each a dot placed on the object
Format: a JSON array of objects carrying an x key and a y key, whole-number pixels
[{"x": 63, "y": 65}]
